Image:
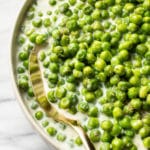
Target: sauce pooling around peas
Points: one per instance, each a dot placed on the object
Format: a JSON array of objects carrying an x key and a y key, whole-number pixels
[{"x": 96, "y": 68}]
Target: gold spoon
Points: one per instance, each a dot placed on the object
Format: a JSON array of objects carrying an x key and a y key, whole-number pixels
[{"x": 39, "y": 91}]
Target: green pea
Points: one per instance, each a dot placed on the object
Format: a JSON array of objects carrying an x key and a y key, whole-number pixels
[
  {"x": 45, "y": 123},
  {"x": 96, "y": 14},
  {"x": 20, "y": 69},
  {"x": 105, "y": 146},
  {"x": 136, "y": 103},
  {"x": 40, "y": 39},
  {"x": 136, "y": 124},
  {"x": 100, "y": 64},
  {"x": 52, "y": 2},
  {"x": 30, "y": 92},
  {"x": 101, "y": 76},
  {"x": 51, "y": 97},
  {"x": 137, "y": 19},
  {"x": 90, "y": 58},
  {"x": 51, "y": 131},
  {"x": 144, "y": 131},
  {"x": 89, "y": 97},
  {"x": 143, "y": 91},
  {"x": 78, "y": 141},
  {"x": 106, "y": 125},
  {"x": 60, "y": 92},
  {"x": 107, "y": 109},
  {"x": 106, "y": 56},
  {"x": 132, "y": 27},
  {"x": 77, "y": 74},
  {"x": 141, "y": 49},
  {"x": 23, "y": 55},
  {"x": 96, "y": 47},
  {"x": 53, "y": 78},
  {"x": 61, "y": 137},
  {"x": 114, "y": 80},
  {"x": 23, "y": 84},
  {"x": 65, "y": 103},
  {"x": 106, "y": 137},
  {"x": 37, "y": 22},
  {"x": 117, "y": 112},
  {"x": 47, "y": 22},
  {"x": 146, "y": 28},
  {"x": 39, "y": 115},
  {"x": 119, "y": 69},
  {"x": 116, "y": 130},
  {"x": 125, "y": 122},
  {"x": 127, "y": 141},
  {"x": 79, "y": 65},
  {"x": 93, "y": 123},
  {"x": 93, "y": 111},
  {"x": 83, "y": 106},
  {"x": 133, "y": 92},
  {"x": 148, "y": 99},
  {"x": 54, "y": 67},
  {"x": 72, "y": 2},
  {"x": 122, "y": 27},
  {"x": 117, "y": 144},
  {"x": 95, "y": 135},
  {"x": 88, "y": 71},
  {"x": 146, "y": 142}
]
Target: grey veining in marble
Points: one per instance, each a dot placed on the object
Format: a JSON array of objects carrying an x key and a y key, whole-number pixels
[{"x": 16, "y": 132}]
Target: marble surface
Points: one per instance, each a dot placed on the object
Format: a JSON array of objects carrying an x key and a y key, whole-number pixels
[{"x": 16, "y": 133}]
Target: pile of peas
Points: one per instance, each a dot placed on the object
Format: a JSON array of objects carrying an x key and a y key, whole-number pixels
[{"x": 103, "y": 47}]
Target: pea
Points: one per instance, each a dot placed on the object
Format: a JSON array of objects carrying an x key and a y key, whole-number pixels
[
  {"x": 106, "y": 56},
  {"x": 30, "y": 92},
  {"x": 117, "y": 112},
  {"x": 23, "y": 55},
  {"x": 83, "y": 106},
  {"x": 117, "y": 144},
  {"x": 37, "y": 22},
  {"x": 105, "y": 146},
  {"x": 93, "y": 111},
  {"x": 40, "y": 39},
  {"x": 127, "y": 141},
  {"x": 51, "y": 131},
  {"x": 89, "y": 97},
  {"x": 106, "y": 137},
  {"x": 78, "y": 141},
  {"x": 23, "y": 84},
  {"x": 81, "y": 55},
  {"x": 39, "y": 115},
  {"x": 100, "y": 64},
  {"x": 143, "y": 91},
  {"x": 52, "y": 2},
  {"x": 93, "y": 123},
  {"x": 72, "y": 2},
  {"x": 137, "y": 19},
  {"x": 51, "y": 97},
  {"x": 146, "y": 142},
  {"x": 133, "y": 92},
  {"x": 72, "y": 25},
  {"x": 79, "y": 65},
  {"x": 119, "y": 69},
  {"x": 144, "y": 131},
  {"x": 53, "y": 78},
  {"x": 136, "y": 124},
  {"x": 125, "y": 122},
  {"x": 106, "y": 125},
  {"x": 60, "y": 92},
  {"x": 96, "y": 14},
  {"x": 145, "y": 28},
  {"x": 116, "y": 130},
  {"x": 61, "y": 137},
  {"x": 107, "y": 109},
  {"x": 95, "y": 135}
]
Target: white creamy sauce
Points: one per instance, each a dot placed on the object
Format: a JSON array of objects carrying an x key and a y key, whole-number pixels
[{"x": 69, "y": 132}]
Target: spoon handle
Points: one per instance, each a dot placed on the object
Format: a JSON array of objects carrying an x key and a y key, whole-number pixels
[{"x": 51, "y": 111}]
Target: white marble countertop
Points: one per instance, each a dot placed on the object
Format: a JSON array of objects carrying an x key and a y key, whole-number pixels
[{"x": 16, "y": 132}]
